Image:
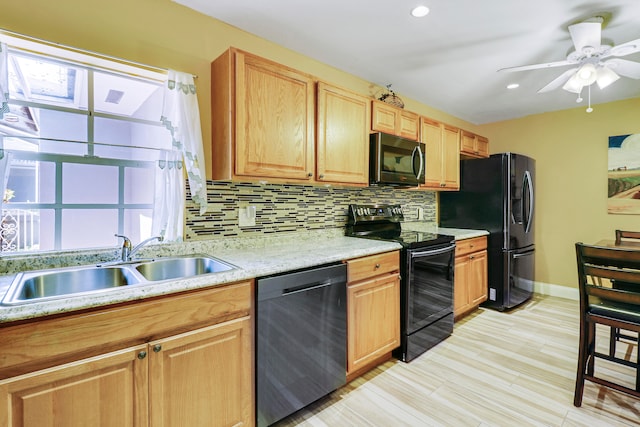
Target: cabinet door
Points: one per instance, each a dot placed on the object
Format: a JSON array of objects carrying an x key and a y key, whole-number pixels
[
  {"x": 385, "y": 118},
  {"x": 467, "y": 143},
  {"x": 431, "y": 135},
  {"x": 275, "y": 110},
  {"x": 342, "y": 151},
  {"x": 107, "y": 391},
  {"x": 373, "y": 319},
  {"x": 451, "y": 157},
  {"x": 203, "y": 377},
  {"x": 409, "y": 125},
  {"x": 482, "y": 144},
  {"x": 478, "y": 278}
]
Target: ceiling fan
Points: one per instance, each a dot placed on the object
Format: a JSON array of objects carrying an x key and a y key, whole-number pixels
[{"x": 593, "y": 61}]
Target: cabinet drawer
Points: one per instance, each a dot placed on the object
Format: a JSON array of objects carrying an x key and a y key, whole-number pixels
[
  {"x": 374, "y": 265},
  {"x": 468, "y": 246}
]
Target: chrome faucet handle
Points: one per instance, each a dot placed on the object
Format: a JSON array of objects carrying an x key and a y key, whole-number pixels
[{"x": 126, "y": 248}]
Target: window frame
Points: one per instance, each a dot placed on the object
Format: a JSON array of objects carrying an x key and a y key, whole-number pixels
[{"x": 89, "y": 158}]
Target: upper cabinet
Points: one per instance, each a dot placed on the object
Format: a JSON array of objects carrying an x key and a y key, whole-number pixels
[
  {"x": 472, "y": 145},
  {"x": 395, "y": 121},
  {"x": 263, "y": 119},
  {"x": 442, "y": 143},
  {"x": 343, "y": 123}
]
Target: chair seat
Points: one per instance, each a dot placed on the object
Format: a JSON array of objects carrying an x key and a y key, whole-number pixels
[{"x": 626, "y": 312}]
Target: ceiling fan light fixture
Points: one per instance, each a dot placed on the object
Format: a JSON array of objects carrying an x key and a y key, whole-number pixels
[
  {"x": 574, "y": 84},
  {"x": 420, "y": 11},
  {"x": 605, "y": 76},
  {"x": 587, "y": 74}
]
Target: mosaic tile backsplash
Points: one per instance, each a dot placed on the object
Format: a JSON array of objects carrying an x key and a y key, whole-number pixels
[{"x": 289, "y": 208}]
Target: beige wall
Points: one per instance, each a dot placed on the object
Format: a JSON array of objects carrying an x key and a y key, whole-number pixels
[
  {"x": 168, "y": 35},
  {"x": 570, "y": 148}
]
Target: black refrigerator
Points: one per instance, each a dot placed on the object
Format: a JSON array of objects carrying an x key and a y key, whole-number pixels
[{"x": 497, "y": 194}]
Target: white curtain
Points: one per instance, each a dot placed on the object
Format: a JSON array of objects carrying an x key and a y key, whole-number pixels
[
  {"x": 181, "y": 116},
  {"x": 168, "y": 208},
  {"x": 4, "y": 80}
]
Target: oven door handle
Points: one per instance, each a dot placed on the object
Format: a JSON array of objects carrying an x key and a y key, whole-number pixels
[{"x": 417, "y": 253}]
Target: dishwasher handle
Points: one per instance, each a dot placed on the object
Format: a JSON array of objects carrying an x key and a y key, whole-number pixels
[{"x": 308, "y": 287}]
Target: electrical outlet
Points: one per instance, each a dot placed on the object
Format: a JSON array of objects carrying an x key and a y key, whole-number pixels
[{"x": 247, "y": 216}]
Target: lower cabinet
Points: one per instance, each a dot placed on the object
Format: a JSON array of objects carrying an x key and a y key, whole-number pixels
[
  {"x": 470, "y": 286},
  {"x": 109, "y": 390},
  {"x": 373, "y": 310},
  {"x": 203, "y": 377},
  {"x": 200, "y": 377}
]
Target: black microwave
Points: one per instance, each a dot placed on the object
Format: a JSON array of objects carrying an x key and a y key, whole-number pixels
[{"x": 396, "y": 161}]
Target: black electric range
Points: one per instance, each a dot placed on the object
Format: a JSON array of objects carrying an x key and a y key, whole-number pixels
[
  {"x": 384, "y": 222},
  {"x": 426, "y": 275}
]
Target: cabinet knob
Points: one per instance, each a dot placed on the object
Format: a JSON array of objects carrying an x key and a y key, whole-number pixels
[
  {"x": 142, "y": 355},
  {"x": 377, "y": 266},
  {"x": 309, "y": 174},
  {"x": 472, "y": 256},
  {"x": 321, "y": 176},
  {"x": 442, "y": 184},
  {"x": 157, "y": 348}
]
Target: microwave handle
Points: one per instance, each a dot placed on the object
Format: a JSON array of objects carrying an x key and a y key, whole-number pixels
[{"x": 413, "y": 155}]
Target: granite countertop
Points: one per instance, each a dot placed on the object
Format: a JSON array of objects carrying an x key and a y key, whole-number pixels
[{"x": 254, "y": 257}]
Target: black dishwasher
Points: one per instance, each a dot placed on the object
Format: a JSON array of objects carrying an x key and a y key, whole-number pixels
[{"x": 301, "y": 339}]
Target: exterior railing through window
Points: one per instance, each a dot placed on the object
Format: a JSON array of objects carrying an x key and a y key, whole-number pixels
[{"x": 19, "y": 230}]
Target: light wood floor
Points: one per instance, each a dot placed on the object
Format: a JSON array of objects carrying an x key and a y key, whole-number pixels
[{"x": 497, "y": 369}]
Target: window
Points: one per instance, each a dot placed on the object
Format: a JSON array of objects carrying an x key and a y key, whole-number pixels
[{"x": 81, "y": 144}]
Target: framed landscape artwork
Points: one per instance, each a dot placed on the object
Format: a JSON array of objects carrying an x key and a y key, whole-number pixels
[{"x": 624, "y": 174}]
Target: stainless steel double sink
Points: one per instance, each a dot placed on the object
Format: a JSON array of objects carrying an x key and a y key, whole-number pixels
[{"x": 44, "y": 285}]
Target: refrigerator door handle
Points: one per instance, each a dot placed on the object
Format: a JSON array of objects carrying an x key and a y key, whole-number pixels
[
  {"x": 523, "y": 254},
  {"x": 528, "y": 183}
]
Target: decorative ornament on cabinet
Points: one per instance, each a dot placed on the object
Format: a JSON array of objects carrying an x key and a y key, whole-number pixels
[{"x": 391, "y": 98}]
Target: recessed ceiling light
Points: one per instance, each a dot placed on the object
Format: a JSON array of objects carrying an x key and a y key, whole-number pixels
[
  {"x": 420, "y": 11},
  {"x": 513, "y": 86}
]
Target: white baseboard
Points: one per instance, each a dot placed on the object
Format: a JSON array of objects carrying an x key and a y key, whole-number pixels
[{"x": 556, "y": 290}]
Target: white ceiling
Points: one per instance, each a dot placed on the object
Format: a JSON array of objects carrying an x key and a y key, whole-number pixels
[{"x": 449, "y": 59}]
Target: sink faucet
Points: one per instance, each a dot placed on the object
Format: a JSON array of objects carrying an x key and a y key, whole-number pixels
[{"x": 128, "y": 251}]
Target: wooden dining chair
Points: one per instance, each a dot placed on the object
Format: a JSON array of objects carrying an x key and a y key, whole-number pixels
[
  {"x": 617, "y": 334},
  {"x": 601, "y": 303},
  {"x": 621, "y": 234}
]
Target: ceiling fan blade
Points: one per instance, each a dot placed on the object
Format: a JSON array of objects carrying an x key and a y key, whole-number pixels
[
  {"x": 624, "y": 67},
  {"x": 536, "y": 66},
  {"x": 559, "y": 81},
  {"x": 625, "y": 48},
  {"x": 585, "y": 34}
]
